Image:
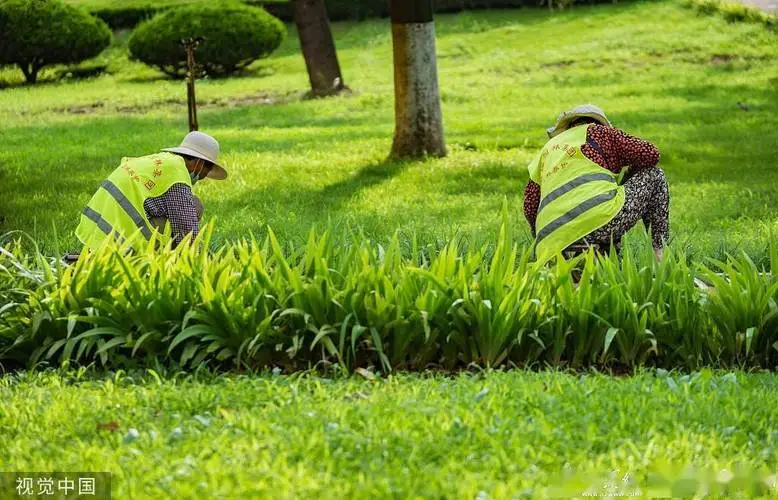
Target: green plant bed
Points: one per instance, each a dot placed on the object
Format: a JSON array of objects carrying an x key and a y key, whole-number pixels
[{"x": 355, "y": 304}]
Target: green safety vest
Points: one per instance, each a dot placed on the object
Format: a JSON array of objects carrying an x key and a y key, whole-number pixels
[
  {"x": 577, "y": 196},
  {"x": 116, "y": 209}
]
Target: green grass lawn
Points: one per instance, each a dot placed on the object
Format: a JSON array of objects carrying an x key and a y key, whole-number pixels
[
  {"x": 496, "y": 435},
  {"x": 660, "y": 71}
]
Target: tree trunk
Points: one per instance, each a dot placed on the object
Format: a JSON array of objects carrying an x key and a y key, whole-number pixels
[
  {"x": 30, "y": 72},
  {"x": 318, "y": 46},
  {"x": 418, "y": 120}
]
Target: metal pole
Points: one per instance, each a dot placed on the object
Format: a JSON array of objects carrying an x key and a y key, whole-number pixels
[{"x": 190, "y": 45}]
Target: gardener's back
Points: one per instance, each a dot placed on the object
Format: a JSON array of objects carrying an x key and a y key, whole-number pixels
[
  {"x": 574, "y": 197},
  {"x": 146, "y": 192}
]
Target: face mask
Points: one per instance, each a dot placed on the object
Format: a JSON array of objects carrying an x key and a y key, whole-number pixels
[{"x": 195, "y": 176}]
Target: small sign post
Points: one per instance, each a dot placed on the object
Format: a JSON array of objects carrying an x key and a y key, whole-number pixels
[{"x": 190, "y": 45}]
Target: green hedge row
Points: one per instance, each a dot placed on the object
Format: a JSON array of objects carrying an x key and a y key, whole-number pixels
[{"x": 338, "y": 10}]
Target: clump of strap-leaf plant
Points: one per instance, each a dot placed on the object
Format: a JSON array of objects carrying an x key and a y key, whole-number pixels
[{"x": 260, "y": 304}]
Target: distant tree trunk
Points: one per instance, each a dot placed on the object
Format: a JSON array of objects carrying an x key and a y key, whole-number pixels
[
  {"x": 30, "y": 71},
  {"x": 418, "y": 120},
  {"x": 318, "y": 46}
]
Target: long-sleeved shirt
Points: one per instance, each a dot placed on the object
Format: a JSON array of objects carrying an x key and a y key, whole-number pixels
[
  {"x": 179, "y": 207},
  {"x": 608, "y": 147}
]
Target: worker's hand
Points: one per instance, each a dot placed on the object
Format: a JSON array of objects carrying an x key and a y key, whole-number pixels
[{"x": 158, "y": 223}]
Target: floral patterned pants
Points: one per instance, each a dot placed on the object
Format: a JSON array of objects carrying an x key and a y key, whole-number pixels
[{"x": 647, "y": 199}]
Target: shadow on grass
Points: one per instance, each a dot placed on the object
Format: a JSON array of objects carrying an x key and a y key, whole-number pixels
[
  {"x": 58, "y": 74},
  {"x": 44, "y": 81},
  {"x": 718, "y": 140},
  {"x": 360, "y": 35},
  {"x": 253, "y": 71},
  {"x": 310, "y": 205}
]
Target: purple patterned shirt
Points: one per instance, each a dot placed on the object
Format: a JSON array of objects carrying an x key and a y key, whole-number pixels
[{"x": 179, "y": 207}]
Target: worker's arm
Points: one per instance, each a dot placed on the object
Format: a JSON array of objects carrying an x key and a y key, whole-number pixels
[
  {"x": 532, "y": 191},
  {"x": 614, "y": 149},
  {"x": 633, "y": 152},
  {"x": 531, "y": 202},
  {"x": 181, "y": 210}
]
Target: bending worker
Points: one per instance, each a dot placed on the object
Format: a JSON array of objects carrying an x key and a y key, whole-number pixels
[
  {"x": 574, "y": 198},
  {"x": 144, "y": 193}
]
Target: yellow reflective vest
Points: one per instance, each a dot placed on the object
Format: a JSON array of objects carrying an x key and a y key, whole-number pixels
[
  {"x": 116, "y": 209},
  {"x": 577, "y": 196}
]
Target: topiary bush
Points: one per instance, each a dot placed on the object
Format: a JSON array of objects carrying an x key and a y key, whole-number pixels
[
  {"x": 235, "y": 36},
  {"x": 39, "y": 33}
]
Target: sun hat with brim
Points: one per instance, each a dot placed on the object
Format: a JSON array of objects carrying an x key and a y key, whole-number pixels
[
  {"x": 203, "y": 146},
  {"x": 584, "y": 111}
]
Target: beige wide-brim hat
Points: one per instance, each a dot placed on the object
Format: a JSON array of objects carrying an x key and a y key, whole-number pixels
[
  {"x": 583, "y": 111},
  {"x": 201, "y": 145}
]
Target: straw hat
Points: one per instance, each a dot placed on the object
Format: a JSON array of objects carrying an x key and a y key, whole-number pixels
[
  {"x": 583, "y": 111},
  {"x": 203, "y": 146}
]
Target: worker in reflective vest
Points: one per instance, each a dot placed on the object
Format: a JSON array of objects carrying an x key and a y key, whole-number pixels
[
  {"x": 591, "y": 183},
  {"x": 145, "y": 193}
]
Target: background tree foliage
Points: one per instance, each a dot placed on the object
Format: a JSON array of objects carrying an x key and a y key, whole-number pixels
[
  {"x": 39, "y": 33},
  {"x": 235, "y": 36}
]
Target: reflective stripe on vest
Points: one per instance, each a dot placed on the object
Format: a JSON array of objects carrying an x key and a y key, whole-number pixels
[
  {"x": 103, "y": 224},
  {"x": 126, "y": 205},
  {"x": 569, "y": 186},
  {"x": 575, "y": 212}
]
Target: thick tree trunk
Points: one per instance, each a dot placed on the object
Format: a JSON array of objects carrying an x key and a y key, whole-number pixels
[
  {"x": 30, "y": 72},
  {"x": 318, "y": 46},
  {"x": 418, "y": 120}
]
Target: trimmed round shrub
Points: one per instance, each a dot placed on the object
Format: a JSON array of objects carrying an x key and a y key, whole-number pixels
[
  {"x": 235, "y": 36},
  {"x": 39, "y": 33}
]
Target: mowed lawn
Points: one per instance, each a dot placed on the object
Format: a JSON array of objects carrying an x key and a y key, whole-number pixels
[
  {"x": 660, "y": 71},
  {"x": 493, "y": 435}
]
